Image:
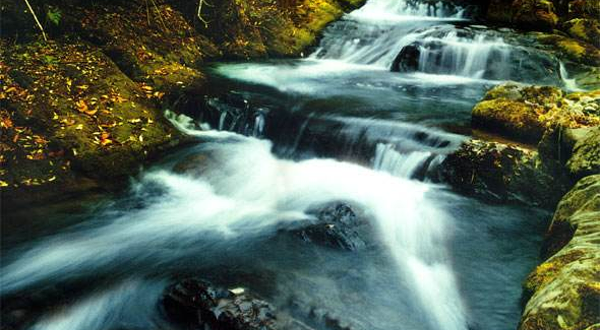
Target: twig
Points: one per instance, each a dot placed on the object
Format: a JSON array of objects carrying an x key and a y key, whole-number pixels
[
  {"x": 200, "y": 3},
  {"x": 36, "y": 20},
  {"x": 159, "y": 14}
]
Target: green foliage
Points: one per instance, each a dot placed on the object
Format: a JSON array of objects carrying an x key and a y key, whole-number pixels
[
  {"x": 54, "y": 15},
  {"x": 49, "y": 59}
]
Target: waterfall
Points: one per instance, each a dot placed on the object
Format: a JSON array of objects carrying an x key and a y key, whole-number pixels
[{"x": 464, "y": 57}]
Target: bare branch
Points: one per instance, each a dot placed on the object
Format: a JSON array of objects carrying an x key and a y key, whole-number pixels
[
  {"x": 36, "y": 20},
  {"x": 200, "y": 3}
]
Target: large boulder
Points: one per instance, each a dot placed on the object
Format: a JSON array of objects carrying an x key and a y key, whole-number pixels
[
  {"x": 569, "y": 48},
  {"x": 583, "y": 9},
  {"x": 585, "y": 155},
  {"x": 531, "y": 14},
  {"x": 503, "y": 172},
  {"x": 564, "y": 291},
  {"x": 585, "y": 29},
  {"x": 525, "y": 113}
]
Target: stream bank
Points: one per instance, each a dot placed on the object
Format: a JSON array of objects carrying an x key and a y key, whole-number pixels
[{"x": 84, "y": 109}]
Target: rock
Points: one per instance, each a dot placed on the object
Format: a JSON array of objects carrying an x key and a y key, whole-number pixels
[
  {"x": 531, "y": 14},
  {"x": 585, "y": 156},
  {"x": 585, "y": 29},
  {"x": 337, "y": 225},
  {"x": 515, "y": 111},
  {"x": 198, "y": 304},
  {"x": 583, "y": 9},
  {"x": 503, "y": 172},
  {"x": 570, "y": 49},
  {"x": 525, "y": 113},
  {"x": 564, "y": 291},
  {"x": 588, "y": 79}
]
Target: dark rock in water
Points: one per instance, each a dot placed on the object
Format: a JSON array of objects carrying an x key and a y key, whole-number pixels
[
  {"x": 199, "y": 305},
  {"x": 337, "y": 225},
  {"x": 407, "y": 60},
  {"x": 504, "y": 172}
]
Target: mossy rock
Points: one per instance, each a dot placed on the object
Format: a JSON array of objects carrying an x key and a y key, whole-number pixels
[
  {"x": 537, "y": 15},
  {"x": 503, "y": 172},
  {"x": 588, "y": 79},
  {"x": 585, "y": 29},
  {"x": 564, "y": 291},
  {"x": 575, "y": 50},
  {"x": 584, "y": 9},
  {"x": 585, "y": 159},
  {"x": 516, "y": 111},
  {"x": 67, "y": 106},
  {"x": 526, "y": 112}
]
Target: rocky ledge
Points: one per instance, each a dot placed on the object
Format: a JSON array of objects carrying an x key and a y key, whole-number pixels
[
  {"x": 553, "y": 142},
  {"x": 564, "y": 291}
]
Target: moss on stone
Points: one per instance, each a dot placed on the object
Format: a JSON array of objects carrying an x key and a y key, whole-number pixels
[
  {"x": 563, "y": 290},
  {"x": 527, "y": 112},
  {"x": 585, "y": 29}
]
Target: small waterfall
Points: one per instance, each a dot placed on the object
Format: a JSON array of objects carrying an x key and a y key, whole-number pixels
[
  {"x": 389, "y": 160},
  {"x": 465, "y": 57},
  {"x": 385, "y": 10},
  {"x": 569, "y": 83}
]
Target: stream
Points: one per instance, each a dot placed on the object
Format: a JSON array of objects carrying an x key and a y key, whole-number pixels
[{"x": 363, "y": 120}]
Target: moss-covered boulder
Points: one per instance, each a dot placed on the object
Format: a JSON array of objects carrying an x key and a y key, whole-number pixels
[
  {"x": 584, "y": 9},
  {"x": 259, "y": 28},
  {"x": 585, "y": 156},
  {"x": 503, "y": 172},
  {"x": 526, "y": 112},
  {"x": 531, "y": 14},
  {"x": 585, "y": 29},
  {"x": 569, "y": 48},
  {"x": 564, "y": 291}
]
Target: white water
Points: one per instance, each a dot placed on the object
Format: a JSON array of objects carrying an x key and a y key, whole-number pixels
[
  {"x": 463, "y": 56},
  {"x": 247, "y": 192},
  {"x": 130, "y": 303}
]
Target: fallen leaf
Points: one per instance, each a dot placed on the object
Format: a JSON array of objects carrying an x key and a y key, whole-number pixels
[{"x": 81, "y": 106}]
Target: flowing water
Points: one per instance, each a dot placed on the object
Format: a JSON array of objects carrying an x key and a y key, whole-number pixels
[{"x": 365, "y": 119}]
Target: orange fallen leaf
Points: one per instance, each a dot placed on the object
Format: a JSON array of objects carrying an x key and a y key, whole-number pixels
[{"x": 81, "y": 106}]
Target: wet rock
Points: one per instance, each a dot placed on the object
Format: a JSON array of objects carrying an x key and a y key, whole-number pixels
[
  {"x": 526, "y": 112},
  {"x": 568, "y": 48},
  {"x": 337, "y": 225},
  {"x": 589, "y": 79},
  {"x": 198, "y": 305},
  {"x": 563, "y": 292},
  {"x": 503, "y": 172}
]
